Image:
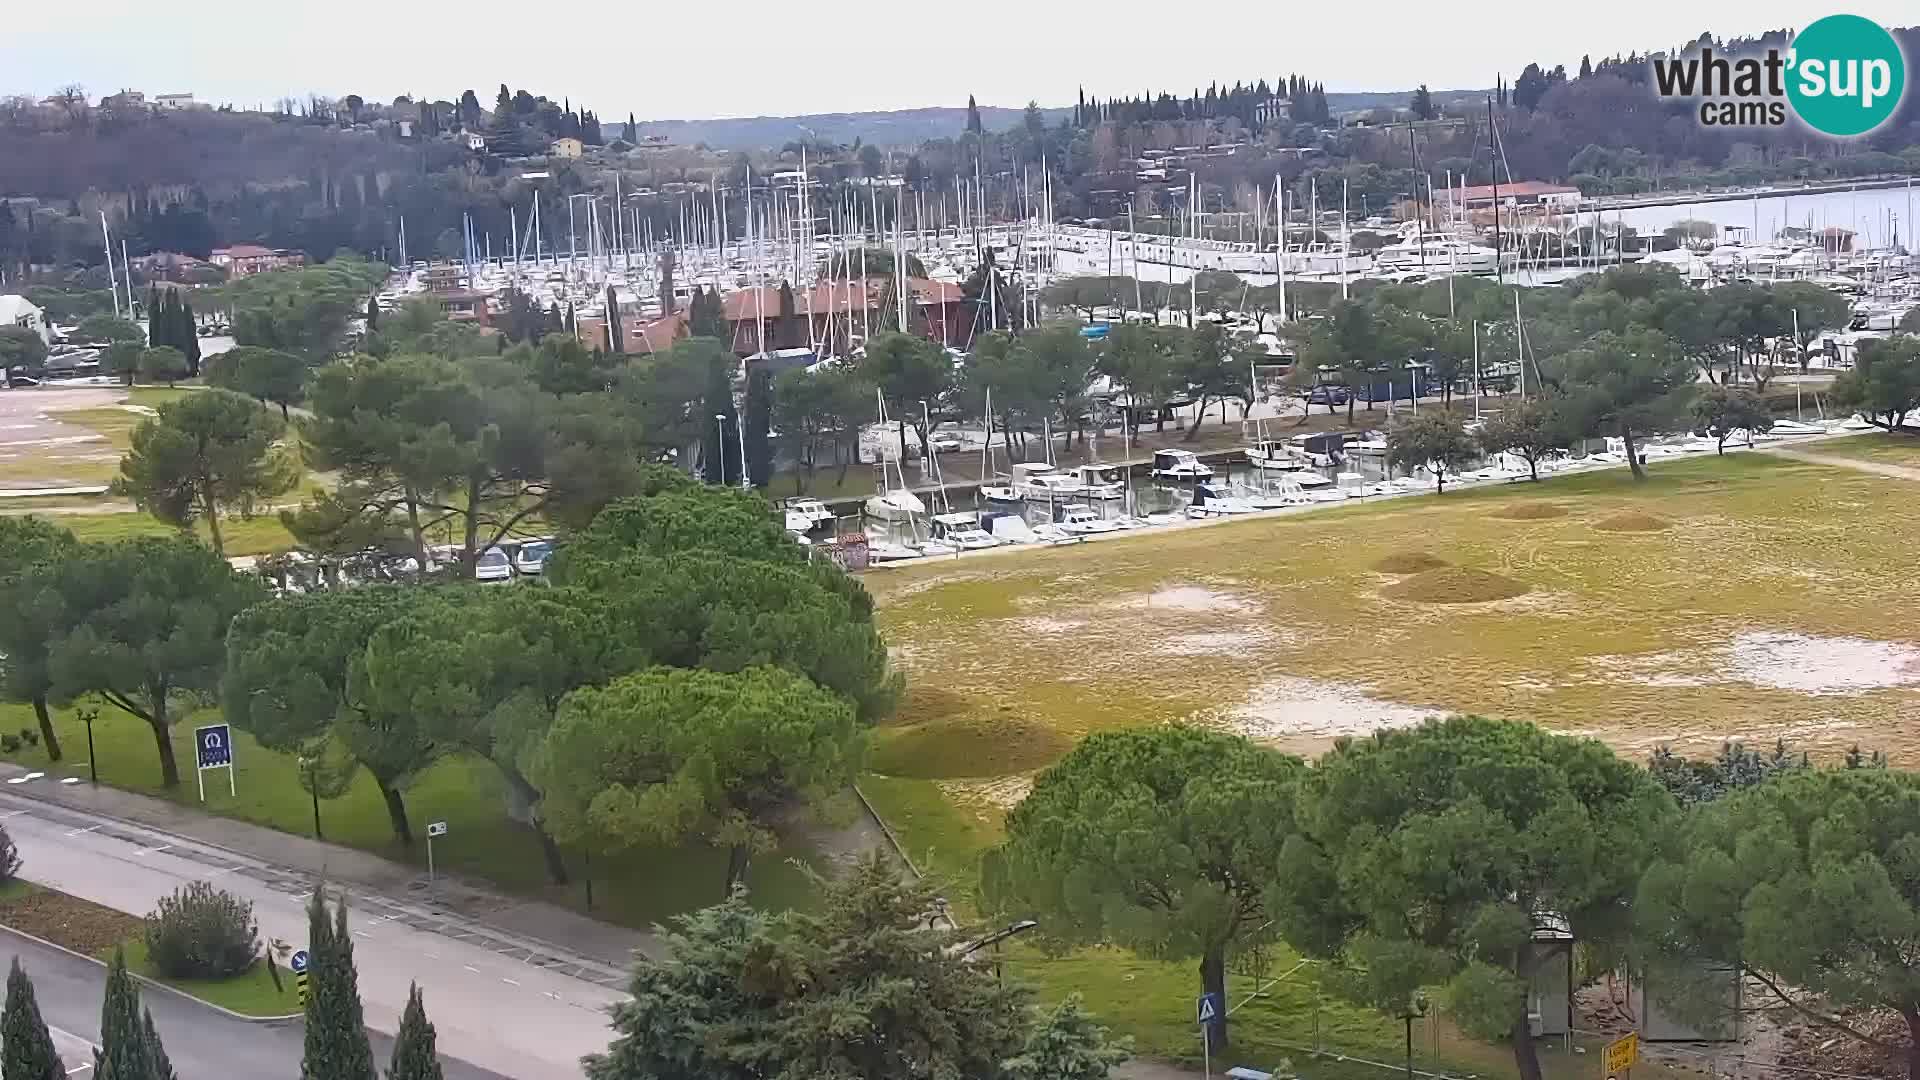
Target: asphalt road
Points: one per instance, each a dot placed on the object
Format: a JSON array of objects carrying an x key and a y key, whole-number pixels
[
  {"x": 516, "y": 1011},
  {"x": 203, "y": 1044}
]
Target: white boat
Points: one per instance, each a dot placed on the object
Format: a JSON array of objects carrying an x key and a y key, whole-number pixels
[
  {"x": 960, "y": 531},
  {"x": 1054, "y": 534},
  {"x": 798, "y": 523},
  {"x": 1180, "y": 465},
  {"x": 1010, "y": 529},
  {"x": 813, "y": 510},
  {"x": 1101, "y": 481},
  {"x": 1085, "y": 521},
  {"x": 1435, "y": 255},
  {"x": 1276, "y": 456},
  {"x": 1213, "y": 500},
  {"x": 896, "y": 505},
  {"x": 1311, "y": 480},
  {"x": 1038, "y": 480},
  {"x": 886, "y": 551}
]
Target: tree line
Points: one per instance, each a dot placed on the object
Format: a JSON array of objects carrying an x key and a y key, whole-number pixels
[{"x": 1438, "y": 864}]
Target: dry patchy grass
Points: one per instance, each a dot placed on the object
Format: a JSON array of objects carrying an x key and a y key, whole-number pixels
[
  {"x": 1409, "y": 562},
  {"x": 1457, "y": 585},
  {"x": 1632, "y": 521}
]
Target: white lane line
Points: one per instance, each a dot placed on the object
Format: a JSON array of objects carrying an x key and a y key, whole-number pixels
[
  {"x": 471, "y": 968},
  {"x": 508, "y": 981},
  {"x": 15, "y": 813},
  {"x": 433, "y": 956},
  {"x": 77, "y": 832},
  {"x": 153, "y": 850},
  {"x": 79, "y": 1069}
]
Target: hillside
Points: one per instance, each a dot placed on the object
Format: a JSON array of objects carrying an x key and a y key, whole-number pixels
[{"x": 905, "y": 128}]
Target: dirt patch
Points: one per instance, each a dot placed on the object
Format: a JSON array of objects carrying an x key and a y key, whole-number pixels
[
  {"x": 969, "y": 746},
  {"x": 1822, "y": 665},
  {"x": 1188, "y": 599},
  {"x": 1289, "y": 707},
  {"x": 77, "y": 924},
  {"x": 1457, "y": 585},
  {"x": 1409, "y": 562},
  {"x": 1632, "y": 521},
  {"x": 1001, "y": 794},
  {"x": 1530, "y": 511}
]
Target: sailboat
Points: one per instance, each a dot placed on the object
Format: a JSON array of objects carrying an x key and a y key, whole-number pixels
[{"x": 892, "y": 506}]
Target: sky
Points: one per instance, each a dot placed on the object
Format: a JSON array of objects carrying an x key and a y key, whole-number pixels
[{"x": 664, "y": 60}]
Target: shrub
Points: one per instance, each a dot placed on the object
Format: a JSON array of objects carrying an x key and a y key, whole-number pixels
[
  {"x": 29, "y": 736},
  {"x": 201, "y": 932},
  {"x": 9, "y": 743},
  {"x": 9, "y": 857}
]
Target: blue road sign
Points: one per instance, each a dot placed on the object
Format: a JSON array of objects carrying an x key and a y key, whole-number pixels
[
  {"x": 299, "y": 961},
  {"x": 1209, "y": 1008},
  {"x": 213, "y": 746}
]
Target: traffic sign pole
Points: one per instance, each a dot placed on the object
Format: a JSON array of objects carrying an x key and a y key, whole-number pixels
[
  {"x": 434, "y": 828},
  {"x": 213, "y": 749}
]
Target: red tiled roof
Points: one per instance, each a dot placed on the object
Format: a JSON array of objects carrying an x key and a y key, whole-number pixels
[
  {"x": 244, "y": 251},
  {"x": 835, "y": 297}
]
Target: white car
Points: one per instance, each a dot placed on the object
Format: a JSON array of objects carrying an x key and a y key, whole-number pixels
[
  {"x": 532, "y": 556},
  {"x": 493, "y": 565},
  {"x": 948, "y": 443}
]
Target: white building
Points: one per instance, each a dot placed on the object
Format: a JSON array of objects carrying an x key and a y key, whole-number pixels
[
  {"x": 18, "y": 311},
  {"x": 175, "y": 102}
]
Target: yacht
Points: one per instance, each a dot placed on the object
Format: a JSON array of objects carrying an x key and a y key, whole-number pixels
[
  {"x": 961, "y": 530},
  {"x": 1179, "y": 465},
  {"x": 1085, "y": 521},
  {"x": 1038, "y": 480},
  {"x": 1100, "y": 481},
  {"x": 1213, "y": 500},
  {"x": 1436, "y": 255},
  {"x": 1274, "y": 455},
  {"x": 812, "y": 511}
]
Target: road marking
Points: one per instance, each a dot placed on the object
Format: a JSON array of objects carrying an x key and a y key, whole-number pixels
[
  {"x": 508, "y": 981},
  {"x": 471, "y": 968},
  {"x": 79, "y": 1069},
  {"x": 15, "y": 813},
  {"x": 77, "y": 832},
  {"x": 433, "y": 956},
  {"x": 153, "y": 850}
]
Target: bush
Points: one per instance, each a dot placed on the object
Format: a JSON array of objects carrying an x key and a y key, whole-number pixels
[
  {"x": 29, "y": 736},
  {"x": 201, "y": 932},
  {"x": 9, "y": 743},
  {"x": 9, "y": 857}
]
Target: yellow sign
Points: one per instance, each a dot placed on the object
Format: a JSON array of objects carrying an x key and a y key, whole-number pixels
[
  {"x": 1621, "y": 1053},
  {"x": 300, "y": 982}
]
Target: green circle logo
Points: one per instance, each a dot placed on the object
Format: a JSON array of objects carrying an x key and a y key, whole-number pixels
[{"x": 1846, "y": 75}]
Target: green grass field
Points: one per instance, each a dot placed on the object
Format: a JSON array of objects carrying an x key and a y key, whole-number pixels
[
  {"x": 251, "y": 993},
  {"x": 1740, "y": 596},
  {"x": 639, "y": 888},
  {"x": 1877, "y": 446}
]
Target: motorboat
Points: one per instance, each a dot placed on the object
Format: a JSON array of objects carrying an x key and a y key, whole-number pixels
[
  {"x": 960, "y": 531},
  {"x": 798, "y": 523},
  {"x": 1038, "y": 480},
  {"x": 1213, "y": 500},
  {"x": 813, "y": 510},
  {"x": 1180, "y": 465},
  {"x": 1275, "y": 456},
  {"x": 1793, "y": 427},
  {"x": 1434, "y": 255},
  {"x": 1085, "y": 521},
  {"x": 1009, "y": 529},
  {"x": 896, "y": 505},
  {"x": 1055, "y": 534},
  {"x": 1101, "y": 481},
  {"x": 886, "y": 551}
]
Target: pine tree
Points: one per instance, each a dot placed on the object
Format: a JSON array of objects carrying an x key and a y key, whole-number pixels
[
  {"x": 373, "y": 314},
  {"x": 124, "y": 1053},
  {"x": 186, "y": 334},
  {"x": 973, "y": 116},
  {"x": 759, "y": 427},
  {"x": 1586, "y": 66},
  {"x": 336, "y": 1038},
  {"x": 26, "y": 1049},
  {"x": 161, "y": 1066},
  {"x": 413, "y": 1050}
]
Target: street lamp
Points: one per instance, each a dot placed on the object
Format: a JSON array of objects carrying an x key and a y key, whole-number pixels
[
  {"x": 1416, "y": 1007},
  {"x": 1416, "y": 367},
  {"x": 720, "y": 448},
  {"x": 995, "y": 939},
  {"x": 88, "y": 714}
]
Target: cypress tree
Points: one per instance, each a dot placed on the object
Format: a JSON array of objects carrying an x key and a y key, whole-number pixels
[
  {"x": 336, "y": 1037},
  {"x": 26, "y": 1049},
  {"x": 759, "y": 426},
  {"x": 373, "y": 314},
  {"x": 153, "y": 316},
  {"x": 187, "y": 337},
  {"x": 162, "y": 1068},
  {"x": 124, "y": 1053},
  {"x": 413, "y": 1050}
]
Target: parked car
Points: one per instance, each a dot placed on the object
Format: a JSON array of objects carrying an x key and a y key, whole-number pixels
[{"x": 1329, "y": 395}]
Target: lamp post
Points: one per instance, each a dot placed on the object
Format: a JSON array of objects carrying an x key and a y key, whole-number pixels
[
  {"x": 88, "y": 714},
  {"x": 1416, "y": 1007},
  {"x": 720, "y": 448},
  {"x": 1416, "y": 367},
  {"x": 995, "y": 939}
]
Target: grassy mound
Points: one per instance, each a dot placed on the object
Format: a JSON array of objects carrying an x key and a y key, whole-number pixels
[
  {"x": 1409, "y": 562},
  {"x": 968, "y": 746},
  {"x": 1530, "y": 511},
  {"x": 1457, "y": 585},
  {"x": 1632, "y": 521}
]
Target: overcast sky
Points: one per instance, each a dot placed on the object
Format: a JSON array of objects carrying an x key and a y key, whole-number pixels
[{"x": 672, "y": 59}]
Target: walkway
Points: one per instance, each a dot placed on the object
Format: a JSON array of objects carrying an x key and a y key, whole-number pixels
[{"x": 1877, "y": 468}]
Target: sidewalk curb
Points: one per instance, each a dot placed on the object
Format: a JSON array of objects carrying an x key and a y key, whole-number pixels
[{"x": 156, "y": 984}]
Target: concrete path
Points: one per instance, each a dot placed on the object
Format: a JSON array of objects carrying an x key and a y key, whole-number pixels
[
  {"x": 519, "y": 1005},
  {"x": 1877, "y": 468},
  {"x": 201, "y": 1043}
]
